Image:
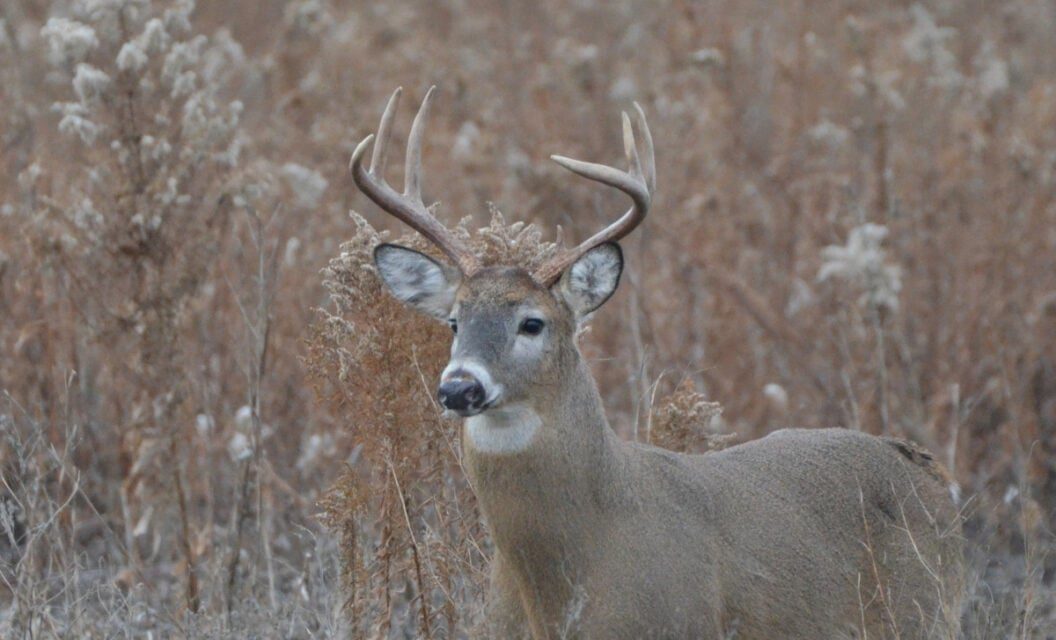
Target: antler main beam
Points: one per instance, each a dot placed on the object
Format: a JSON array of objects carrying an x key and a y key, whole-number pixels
[
  {"x": 407, "y": 206},
  {"x": 639, "y": 182}
]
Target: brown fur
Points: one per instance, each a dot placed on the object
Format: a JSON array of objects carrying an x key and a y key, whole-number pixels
[{"x": 823, "y": 533}]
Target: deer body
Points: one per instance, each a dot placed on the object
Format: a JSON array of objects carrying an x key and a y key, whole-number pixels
[
  {"x": 803, "y": 534},
  {"x": 790, "y": 536},
  {"x": 712, "y": 547}
]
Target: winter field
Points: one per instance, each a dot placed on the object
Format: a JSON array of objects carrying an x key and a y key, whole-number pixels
[{"x": 214, "y": 423}]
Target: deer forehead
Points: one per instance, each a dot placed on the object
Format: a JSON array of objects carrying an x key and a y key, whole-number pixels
[{"x": 499, "y": 289}]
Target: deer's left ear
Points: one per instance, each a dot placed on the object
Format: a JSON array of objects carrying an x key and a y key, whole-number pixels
[{"x": 592, "y": 279}]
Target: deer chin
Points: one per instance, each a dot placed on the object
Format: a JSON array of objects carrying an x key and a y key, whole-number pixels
[{"x": 503, "y": 430}]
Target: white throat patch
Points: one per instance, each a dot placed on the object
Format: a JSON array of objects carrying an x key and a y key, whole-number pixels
[{"x": 504, "y": 430}]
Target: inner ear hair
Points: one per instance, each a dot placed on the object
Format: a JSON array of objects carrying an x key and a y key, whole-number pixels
[
  {"x": 592, "y": 279},
  {"x": 417, "y": 279}
]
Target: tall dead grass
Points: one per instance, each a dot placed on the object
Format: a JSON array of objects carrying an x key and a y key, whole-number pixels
[{"x": 175, "y": 404}]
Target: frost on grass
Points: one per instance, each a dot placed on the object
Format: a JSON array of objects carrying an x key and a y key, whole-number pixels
[
  {"x": 827, "y": 133},
  {"x": 68, "y": 41},
  {"x": 885, "y": 83},
  {"x": 992, "y": 75},
  {"x": 131, "y": 57},
  {"x": 708, "y": 57},
  {"x": 138, "y": 85},
  {"x": 76, "y": 122},
  {"x": 466, "y": 141},
  {"x": 307, "y": 185},
  {"x": 89, "y": 83},
  {"x": 863, "y": 262},
  {"x": 138, "y": 215},
  {"x": 926, "y": 42},
  {"x": 239, "y": 447},
  {"x": 777, "y": 396}
]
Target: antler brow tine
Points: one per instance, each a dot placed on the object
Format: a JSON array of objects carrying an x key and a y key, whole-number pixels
[
  {"x": 407, "y": 206},
  {"x": 638, "y": 182}
]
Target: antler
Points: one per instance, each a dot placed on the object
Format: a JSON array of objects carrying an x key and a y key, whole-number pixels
[
  {"x": 639, "y": 183},
  {"x": 407, "y": 206}
]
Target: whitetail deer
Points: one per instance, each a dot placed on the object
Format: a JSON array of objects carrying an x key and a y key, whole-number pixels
[{"x": 817, "y": 534}]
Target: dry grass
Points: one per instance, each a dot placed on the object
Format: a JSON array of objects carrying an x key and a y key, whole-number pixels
[{"x": 183, "y": 393}]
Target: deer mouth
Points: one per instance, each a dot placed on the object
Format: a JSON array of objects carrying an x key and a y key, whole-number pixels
[
  {"x": 466, "y": 408},
  {"x": 469, "y": 412}
]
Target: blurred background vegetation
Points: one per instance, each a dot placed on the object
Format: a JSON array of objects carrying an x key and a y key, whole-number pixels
[{"x": 214, "y": 424}]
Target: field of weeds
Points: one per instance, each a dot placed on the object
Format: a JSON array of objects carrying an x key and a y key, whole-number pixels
[{"x": 213, "y": 422}]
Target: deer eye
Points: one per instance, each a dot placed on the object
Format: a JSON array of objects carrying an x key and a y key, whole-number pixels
[
  {"x": 532, "y": 326},
  {"x": 453, "y": 324}
]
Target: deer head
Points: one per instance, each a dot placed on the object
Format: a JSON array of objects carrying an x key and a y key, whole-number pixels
[{"x": 514, "y": 330}]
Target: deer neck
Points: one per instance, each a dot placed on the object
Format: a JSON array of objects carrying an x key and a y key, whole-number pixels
[{"x": 541, "y": 469}]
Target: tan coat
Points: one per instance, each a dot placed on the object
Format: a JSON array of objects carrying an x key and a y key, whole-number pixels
[{"x": 809, "y": 534}]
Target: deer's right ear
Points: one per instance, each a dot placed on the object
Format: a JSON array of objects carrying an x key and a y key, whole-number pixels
[{"x": 417, "y": 280}]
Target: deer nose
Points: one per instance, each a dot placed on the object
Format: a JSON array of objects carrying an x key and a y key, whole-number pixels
[{"x": 463, "y": 394}]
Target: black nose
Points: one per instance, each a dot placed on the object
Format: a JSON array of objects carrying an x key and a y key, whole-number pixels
[{"x": 461, "y": 394}]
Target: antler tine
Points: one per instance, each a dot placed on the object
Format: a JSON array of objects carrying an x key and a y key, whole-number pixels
[
  {"x": 629, "y": 148},
  {"x": 650, "y": 158},
  {"x": 639, "y": 182},
  {"x": 381, "y": 148},
  {"x": 412, "y": 186},
  {"x": 407, "y": 206}
]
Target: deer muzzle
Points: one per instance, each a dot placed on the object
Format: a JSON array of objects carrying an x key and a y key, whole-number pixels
[{"x": 464, "y": 395}]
